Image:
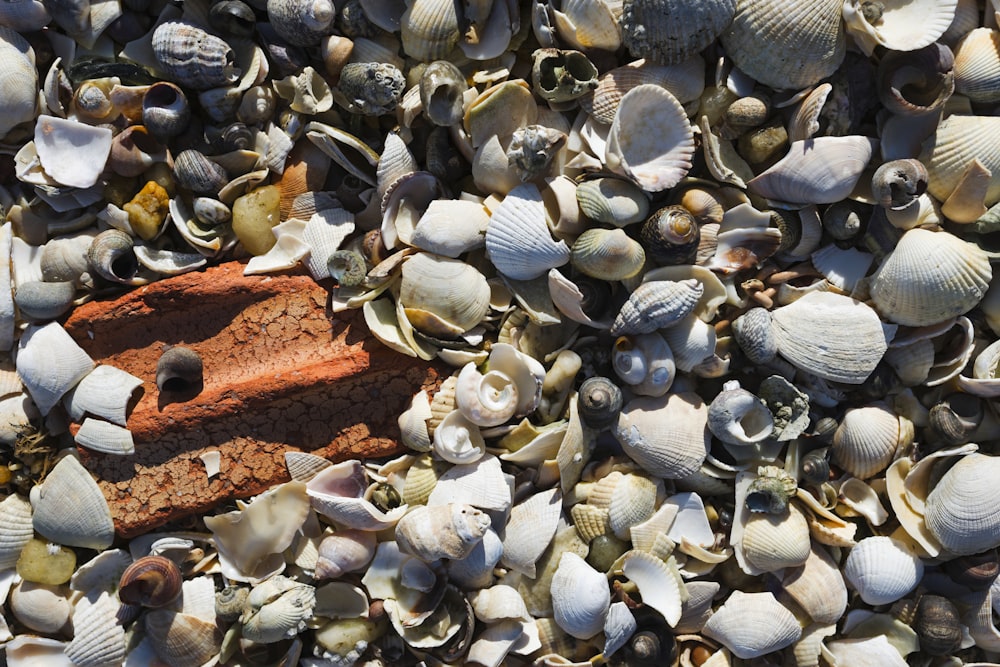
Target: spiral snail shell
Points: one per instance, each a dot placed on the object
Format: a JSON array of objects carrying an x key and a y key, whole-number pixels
[
  {"x": 599, "y": 402},
  {"x": 671, "y": 236},
  {"x": 151, "y": 581}
]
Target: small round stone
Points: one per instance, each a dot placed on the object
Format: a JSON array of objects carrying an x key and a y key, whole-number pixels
[
  {"x": 45, "y": 563},
  {"x": 254, "y": 214}
]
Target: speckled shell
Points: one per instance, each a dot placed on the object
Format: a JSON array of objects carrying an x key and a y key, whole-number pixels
[
  {"x": 786, "y": 45},
  {"x": 192, "y": 57},
  {"x": 753, "y": 624},
  {"x": 18, "y": 80},
  {"x": 302, "y": 22},
  {"x": 930, "y": 277},
  {"x": 670, "y": 31},
  {"x": 666, "y": 435},
  {"x": 657, "y": 304},
  {"x": 963, "y": 510},
  {"x": 882, "y": 570},
  {"x": 867, "y": 438},
  {"x": 977, "y": 65},
  {"x": 956, "y": 143}
]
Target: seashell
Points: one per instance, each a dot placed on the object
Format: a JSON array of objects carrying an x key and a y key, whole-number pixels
[
  {"x": 822, "y": 170},
  {"x": 91, "y": 101},
  {"x": 429, "y": 29},
  {"x": 671, "y": 236},
  {"x": 607, "y": 254},
  {"x": 443, "y": 531},
  {"x": 19, "y": 77},
  {"x": 98, "y": 637},
  {"x": 737, "y": 417},
  {"x": 511, "y": 387},
  {"x": 867, "y": 439},
  {"x": 72, "y": 153},
  {"x": 500, "y": 110},
  {"x": 476, "y": 569},
  {"x": 685, "y": 81},
  {"x": 976, "y": 572},
  {"x": 40, "y": 607},
  {"x": 15, "y": 512},
  {"x": 817, "y": 586},
  {"x": 111, "y": 257},
  {"x": 901, "y": 26},
  {"x": 530, "y": 529},
  {"x": 755, "y": 336},
  {"x": 25, "y": 16},
  {"x": 533, "y": 149},
  {"x": 955, "y": 145},
  {"x": 587, "y": 25},
  {"x": 882, "y": 570},
  {"x": 442, "y": 87},
  {"x": 938, "y": 625},
  {"x": 580, "y": 597},
  {"x": 630, "y": 500},
  {"x": 693, "y": 343},
  {"x": 599, "y": 401},
  {"x": 105, "y": 437},
  {"x": 180, "y": 639},
  {"x": 561, "y": 75},
  {"x": 805, "y": 326},
  {"x": 770, "y": 490},
  {"x": 211, "y": 211},
  {"x": 179, "y": 370},
  {"x": 659, "y": 583},
  {"x": 230, "y": 602},
  {"x": 442, "y": 297},
  {"x": 666, "y": 435},
  {"x": 69, "y": 508},
  {"x": 913, "y": 289},
  {"x": 192, "y": 57},
  {"x": 956, "y": 418},
  {"x": 50, "y": 363},
  {"x": 645, "y": 363},
  {"x": 195, "y": 172},
  {"x": 451, "y": 227},
  {"x": 150, "y": 581},
  {"x": 898, "y": 183},
  {"x": 918, "y": 81},
  {"x": 518, "y": 239},
  {"x": 650, "y": 140},
  {"x": 613, "y": 201},
  {"x": 302, "y": 23},
  {"x": 619, "y": 626},
  {"x": 977, "y": 65},
  {"x": 306, "y": 92},
  {"x": 752, "y": 625},
  {"x": 39, "y": 300},
  {"x": 654, "y": 30},
  {"x": 771, "y": 542},
  {"x": 233, "y": 18},
  {"x": 481, "y": 484},
  {"x": 657, "y": 304},
  {"x": 961, "y": 509},
  {"x": 277, "y": 609}
]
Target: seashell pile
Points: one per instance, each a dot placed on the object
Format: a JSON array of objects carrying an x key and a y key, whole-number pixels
[{"x": 714, "y": 278}]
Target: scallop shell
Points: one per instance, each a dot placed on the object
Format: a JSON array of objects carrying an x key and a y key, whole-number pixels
[
  {"x": 69, "y": 508},
  {"x": 192, "y": 57},
  {"x": 963, "y": 509},
  {"x": 15, "y": 517},
  {"x": 429, "y": 29},
  {"x": 831, "y": 336},
  {"x": 659, "y": 584},
  {"x": 753, "y": 624},
  {"x": 666, "y": 435},
  {"x": 867, "y": 439},
  {"x": 580, "y": 597},
  {"x": 18, "y": 80},
  {"x": 822, "y": 170},
  {"x": 786, "y": 46},
  {"x": 442, "y": 531},
  {"x": 182, "y": 639},
  {"x": 98, "y": 637},
  {"x": 977, "y": 65},
  {"x": 930, "y": 277},
  {"x": 441, "y": 296},
  {"x": 670, "y": 32},
  {"x": 882, "y": 570},
  {"x": 902, "y": 25},
  {"x": 530, "y": 529},
  {"x": 955, "y": 144},
  {"x": 650, "y": 140},
  {"x": 50, "y": 363},
  {"x": 518, "y": 239},
  {"x": 607, "y": 254},
  {"x": 657, "y": 304}
]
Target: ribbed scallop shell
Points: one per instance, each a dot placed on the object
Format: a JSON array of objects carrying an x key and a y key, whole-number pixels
[
  {"x": 18, "y": 80},
  {"x": 98, "y": 637},
  {"x": 630, "y": 499},
  {"x": 590, "y": 521},
  {"x": 50, "y": 363},
  {"x": 614, "y": 201},
  {"x": 753, "y": 624},
  {"x": 429, "y": 29},
  {"x": 529, "y": 530},
  {"x": 70, "y": 509},
  {"x": 963, "y": 510},
  {"x": 670, "y": 31},
  {"x": 903, "y": 25},
  {"x": 657, "y": 304},
  {"x": 823, "y": 170},
  {"x": 659, "y": 584},
  {"x": 607, "y": 254},
  {"x": 977, "y": 65},
  {"x": 666, "y": 435},
  {"x": 192, "y": 57},
  {"x": 882, "y": 570},
  {"x": 832, "y": 336},
  {"x": 15, "y": 520},
  {"x": 957, "y": 142},
  {"x": 685, "y": 81},
  {"x": 774, "y": 541},
  {"x": 650, "y": 141},
  {"x": 866, "y": 440},
  {"x": 442, "y": 296},
  {"x": 182, "y": 639},
  {"x": 518, "y": 239},
  {"x": 930, "y": 277}
]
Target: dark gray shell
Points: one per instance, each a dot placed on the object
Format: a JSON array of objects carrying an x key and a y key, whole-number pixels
[
  {"x": 671, "y": 31},
  {"x": 302, "y": 22},
  {"x": 192, "y": 57},
  {"x": 371, "y": 89}
]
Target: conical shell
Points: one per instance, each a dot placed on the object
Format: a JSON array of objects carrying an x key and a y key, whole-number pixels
[
  {"x": 753, "y": 624},
  {"x": 772, "y": 542},
  {"x": 18, "y": 80},
  {"x": 963, "y": 510},
  {"x": 651, "y": 140},
  {"x": 518, "y": 239},
  {"x": 866, "y": 440},
  {"x": 784, "y": 45},
  {"x": 956, "y": 143},
  {"x": 580, "y": 597},
  {"x": 822, "y": 170},
  {"x": 70, "y": 509},
  {"x": 977, "y": 65},
  {"x": 15, "y": 518},
  {"x": 667, "y": 435},
  {"x": 657, "y": 304},
  {"x": 442, "y": 296},
  {"x": 531, "y": 527},
  {"x": 882, "y": 570},
  {"x": 930, "y": 277},
  {"x": 671, "y": 31}
]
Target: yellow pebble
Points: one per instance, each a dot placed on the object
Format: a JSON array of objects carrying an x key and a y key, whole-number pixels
[
  {"x": 147, "y": 210},
  {"x": 254, "y": 214},
  {"x": 45, "y": 563}
]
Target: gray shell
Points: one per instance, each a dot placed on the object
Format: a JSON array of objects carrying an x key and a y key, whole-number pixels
[
  {"x": 671, "y": 31},
  {"x": 657, "y": 304},
  {"x": 192, "y": 57},
  {"x": 301, "y": 22},
  {"x": 371, "y": 89}
]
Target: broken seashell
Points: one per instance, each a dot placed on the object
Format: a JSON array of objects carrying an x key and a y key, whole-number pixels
[
  {"x": 738, "y": 417},
  {"x": 518, "y": 239},
  {"x": 443, "y": 531},
  {"x": 822, "y": 170},
  {"x": 666, "y": 435}
]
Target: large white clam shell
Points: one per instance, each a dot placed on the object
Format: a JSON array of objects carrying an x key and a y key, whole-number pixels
[
  {"x": 50, "y": 363},
  {"x": 69, "y": 508},
  {"x": 101, "y": 436},
  {"x": 882, "y": 570},
  {"x": 441, "y": 296},
  {"x": 451, "y": 227},
  {"x": 518, "y": 239},
  {"x": 831, "y": 336},
  {"x": 867, "y": 439},
  {"x": 667, "y": 435},
  {"x": 753, "y": 624},
  {"x": 650, "y": 140},
  {"x": 963, "y": 510},
  {"x": 930, "y": 277},
  {"x": 580, "y": 597},
  {"x": 72, "y": 153},
  {"x": 823, "y": 170}
]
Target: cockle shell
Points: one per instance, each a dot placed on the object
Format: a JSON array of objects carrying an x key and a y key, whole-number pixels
[
  {"x": 42, "y": 607},
  {"x": 804, "y": 331},
  {"x": 930, "y": 277},
  {"x": 977, "y": 65},
  {"x": 442, "y": 531},
  {"x": 630, "y": 499},
  {"x": 181, "y": 639},
  {"x": 69, "y": 508},
  {"x": 822, "y": 170},
  {"x": 442, "y": 296},
  {"x": 659, "y": 583},
  {"x": 900, "y": 25},
  {"x": 666, "y": 435},
  {"x": 670, "y": 32},
  {"x": 867, "y": 439},
  {"x": 530, "y": 529},
  {"x": 192, "y": 57},
  {"x": 963, "y": 509},
  {"x": 607, "y": 254},
  {"x": 518, "y": 239},
  {"x": 15, "y": 515},
  {"x": 429, "y": 29},
  {"x": 105, "y": 437},
  {"x": 18, "y": 80},
  {"x": 657, "y": 304},
  {"x": 50, "y": 363},
  {"x": 753, "y": 624},
  {"x": 587, "y": 24},
  {"x": 772, "y": 542},
  {"x": 882, "y": 569},
  {"x": 580, "y": 597},
  {"x": 650, "y": 141},
  {"x": 957, "y": 141},
  {"x": 685, "y": 81},
  {"x": 98, "y": 637}
]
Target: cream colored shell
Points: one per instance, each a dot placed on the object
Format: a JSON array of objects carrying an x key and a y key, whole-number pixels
[
  {"x": 753, "y": 624},
  {"x": 867, "y": 439},
  {"x": 963, "y": 509},
  {"x": 667, "y": 435},
  {"x": 442, "y": 296},
  {"x": 771, "y": 542}
]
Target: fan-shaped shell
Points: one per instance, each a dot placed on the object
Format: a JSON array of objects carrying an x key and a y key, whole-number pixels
[
  {"x": 518, "y": 239},
  {"x": 753, "y": 624},
  {"x": 607, "y": 254},
  {"x": 963, "y": 510},
  {"x": 667, "y": 435},
  {"x": 930, "y": 277},
  {"x": 977, "y": 65},
  {"x": 15, "y": 518},
  {"x": 956, "y": 143},
  {"x": 772, "y": 542},
  {"x": 18, "y": 80},
  {"x": 659, "y": 584},
  {"x": 182, "y": 639},
  {"x": 832, "y": 336},
  {"x": 429, "y": 29},
  {"x": 580, "y": 597},
  {"x": 657, "y": 304},
  {"x": 822, "y": 170},
  {"x": 671, "y": 31},
  {"x": 70, "y": 509},
  {"x": 902, "y": 25},
  {"x": 685, "y": 81},
  {"x": 451, "y": 227},
  {"x": 481, "y": 484},
  {"x": 531, "y": 527},
  {"x": 784, "y": 45},
  {"x": 50, "y": 363},
  {"x": 867, "y": 439},
  {"x": 442, "y": 296},
  {"x": 650, "y": 141},
  {"x": 98, "y": 637},
  {"x": 882, "y": 569},
  {"x": 104, "y": 392}
]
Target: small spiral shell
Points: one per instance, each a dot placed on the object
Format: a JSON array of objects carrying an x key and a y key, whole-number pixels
[
  {"x": 111, "y": 256},
  {"x": 151, "y": 581},
  {"x": 671, "y": 236},
  {"x": 815, "y": 467},
  {"x": 599, "y": 402},
  {"x": 347, "y": 267},
  {"x": 179, "y": 369},
  {"x": 230, "y": 602}
]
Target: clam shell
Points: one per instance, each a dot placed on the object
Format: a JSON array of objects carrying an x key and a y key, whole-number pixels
[
  {"x": 530, "y": 529},
  {"x": 607, "y": 254},
  {"x": 657, "y": 304},
  {"x": 955, "y": 144},
  {"x": 192, "y": 57},
  {"x": 822, "y": 170},
  {"x": 977, "y": 65},
  {"x": 69, "y": 508},
  {"x": 50, "y": 363},
  {"x": 660, "y": 585},
  {"x": 630, "y": 499},
  {"x": 104, "y": 392},
  {"x": 442, "y": 531},
  {"x": 753, "y": 624},
  {"x": 650, "y": 140},
  {"x": 15, "y": 515},
  {"x": 685, "y": 81},
  {"x": 930, "y": 277},
  {"x": 18, "y": 79},
  {"x": 903, "y": 25},
  {"x": 105, "y": 437},
  {"x": 619, "y": 626},
  {"x": 441, "y": 296},
  {"x": 666, "y": 435},
  {"x": 817, "y": 586},
  {"x": 481, "y": 484},
  {"x": 580, "y": 597},
  {"x": 518, "y": 239},
  {"x": 72, "y": 153},
  {"x": 429, "y": 29},
  {"x": 867, "y": 439},
  {"x": 804, "y": 331},
  {"x": 771, "y": 542},
  {"x": 585, "y": 24},
  {"x": 882, "y": 570},
  {"x": 786, "y": 46},
  {"x": 672, "y": 31},
  {"x": 451, "y": 227},
  {"x": 98, "y": 637},
  {"x": 613, "y": 201},
  {"x": 963, "y": 509}
]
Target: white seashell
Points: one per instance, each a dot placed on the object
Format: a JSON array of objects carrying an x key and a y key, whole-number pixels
[
  {"x": 867, "y": 652},
  {"x": 481, "y": 484},
  {"x": 179, "y": 638},
  {"x": 7, "y": 311},
  {"x": 345, "y": 551},
  {"x": 442, "y": 531},
  {"x": 104, "y": 392},
  {"x": 101, "y": 436},
  {"x": 98, "y": 637},
  {"x": 303, "y": 466},
  {"x": 771, "y": 542},
  {"x": 685, "y": 81},
  {"x": 977, "y": 65},
  {"x": 822, "y": 170},
  {"x": 817, "y": 586},
  {"x": 738, "y": 417},
  {"x": 650, "y": 141},
  {"x": 277, "y": 609},
  {"x": 41, "y": 607},
  {"x": 753, "y": 624},
  {"x": 441, "y": 296},
  {"x": 657, "y": 304},
  {"x": 659, "y": 583},
  {"x": 338, "y": 493},
  {"x": 50, "y": 363},
  {"x": 867, "y": 438},
  {"x": 529, "y": 530},
  {"x": 72, "y": 153},
  {"x": 580, "y": 597},
  {"x": 644, "y": 362},
  {"x": 324, "y": 232},
  {"x": 666, "y": 435},
  {"x": 15, "y": 517},
  {"x": 882, "y": 570},
  {"x": 476, "y": 569},
  {"x": 498, "y": 603},
  {"x": 831, "y": 336},
  {"x": 587, "y": 24},
  {"x": 963, "y": 508},
  {"x": 518, "y": 239},
  {"x": 930, "y": 277},
  {"x": 511, "y": 387},
  {"x": 630, "y": 500},
  {"x": 19, "y": 87},
  {"x": 102, "y": 573},
  {"x": 619, "y": 626},
  {"x": 451, "y": 227},
  {"x": 901, "y": 25},
  {"x": 413, "y": 423},
  {"x": 69, "y": 508},
  {"x": 458, "y": 440}
]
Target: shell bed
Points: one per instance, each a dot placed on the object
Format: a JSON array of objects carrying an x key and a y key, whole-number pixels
[{"x": 714, "y": 277}]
